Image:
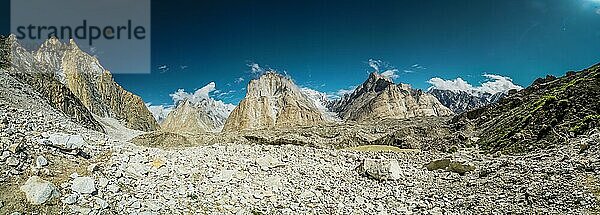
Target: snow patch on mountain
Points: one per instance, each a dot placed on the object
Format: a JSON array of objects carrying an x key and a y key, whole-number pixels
[{"x": 321, "y": 100}]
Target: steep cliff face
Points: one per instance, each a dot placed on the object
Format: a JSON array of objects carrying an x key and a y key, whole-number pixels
[
  {"x": 207, "y": 115},
  {"x": 273, "y": 101},
  {"x": 94, "y": 85},
  {"x": 23, "y": 66},
  {"x": 379, "y": 98},
  {"x": 461, "y": 101}
]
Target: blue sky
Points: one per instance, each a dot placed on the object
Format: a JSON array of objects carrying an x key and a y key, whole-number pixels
[{"x": 325, "y": 45}]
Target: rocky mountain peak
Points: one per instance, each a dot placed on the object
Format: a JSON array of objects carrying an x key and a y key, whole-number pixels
[
  {"x": 378, "y": 97},
  {"x": 93, "y": 84},
  {"x": 376, "y": 83},
  {"x": 271, "y": 101}
]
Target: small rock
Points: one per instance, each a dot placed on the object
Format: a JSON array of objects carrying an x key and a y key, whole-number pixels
[
  {"x": 138, "y": 169},
  {"x": 267, "y": 162},
  {"x": 306, "y": 194},
  {"x": 102, "y": 182},
  {"x": 136, "y": 205},
  {"x": 74, "y": 175},
  {"x": 92, "y": 168},
  {"x": 101, "y": 203},
  {"x": 83, "y": 185},
  {"x": 14, "y": 148},
  {"x": 81, "y": 210},
  {"x": 70, "y": 199},
  {"x": 38, "y": 190},
  {"x": 224, "y": 176},
  {"x": 380, "y": 169},
  {"x": 5, "y": 155},
  {"x": 41, "y": 161},
  {"x": 12, "y": 161},
  {"x": 157, "y": 163},
  {"x": 113, "y": 188}
]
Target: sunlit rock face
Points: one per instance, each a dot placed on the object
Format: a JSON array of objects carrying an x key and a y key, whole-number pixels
[
  {"x": 41, "y": 76},
  {"x": 94, "y": 85},
  {"x": 273, "y": 101},
  {"x": 379, "y": 98}
]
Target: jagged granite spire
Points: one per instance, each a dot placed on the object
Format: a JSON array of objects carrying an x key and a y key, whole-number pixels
[
  {"x": 273, "y": 101},
  {"x": 379, "y": 98}
]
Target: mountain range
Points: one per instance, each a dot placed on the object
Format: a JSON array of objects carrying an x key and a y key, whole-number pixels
[{"x": 77, "y": 84}]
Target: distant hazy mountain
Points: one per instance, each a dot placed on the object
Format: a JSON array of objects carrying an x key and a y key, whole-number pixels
[
  {"x": 273, "y": 101},
  {"x": 196, "y": 116},
  {"x": 321, "y": 101},
  {"x": 461, "y": 101},
  {"x": 378, "y": 98}
]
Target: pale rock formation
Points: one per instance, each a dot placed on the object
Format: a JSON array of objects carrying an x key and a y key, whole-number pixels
[
  {"x": 94, "y": 85},
  {"x": 273, "y": 101}
]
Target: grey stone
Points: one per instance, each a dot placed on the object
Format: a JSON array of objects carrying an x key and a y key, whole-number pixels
[
  {"x": 267, "y": 162},
  {"x": 102, "y": 182},
  {"x": 101, "y": 203},
  {"x": 38, "y": 190},
  {"x": 85, "y": 185},
  {"x": 224, "y": 176},
  {"x": 380, "y": 169},
  {"x": 70, "y": 199},
  {"x": 12, "y": 161},
  {"x": 41, "y": 161},
  {"x": 67, "y": 141}
]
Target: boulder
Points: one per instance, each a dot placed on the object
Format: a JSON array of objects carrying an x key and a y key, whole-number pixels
[
  {"x": 85, "y": 185},
  {"x": 438, "y": 164},
  {"x": 380, "y": 169},
  {"x": 38, "y": 190},
  {"x": 66, "y": 141},
  {"x": 460, "y": 167},
  {"x": 452, "y": 166}
]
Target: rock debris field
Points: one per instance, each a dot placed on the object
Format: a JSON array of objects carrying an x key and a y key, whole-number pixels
[{"x": 53, "y": 166}]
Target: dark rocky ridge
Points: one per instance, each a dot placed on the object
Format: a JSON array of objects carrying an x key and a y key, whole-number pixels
[
  {"x": 461, "y": 101},
  {"x": 548, "y": 113},
  {"x": 379, "y": 98}
]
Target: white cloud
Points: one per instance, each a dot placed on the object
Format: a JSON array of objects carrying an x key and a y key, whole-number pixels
[
  {"x": 390, "y": 74},
  {"x": 163, "y": 68},
  {"x": 389, "y": 71},
  {"x": 238, "y": 80},
  {"x": 375, "y": 64},
  {"x": 199, "y": 95},
  {"x": 256, "y": 69},
  {"x": 493, "y": 85}
]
